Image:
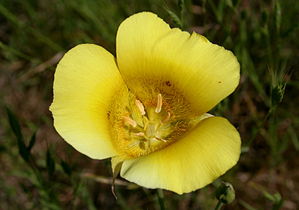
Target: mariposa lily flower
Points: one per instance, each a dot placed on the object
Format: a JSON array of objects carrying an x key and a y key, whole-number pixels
[{"x": 147, "y": 109}]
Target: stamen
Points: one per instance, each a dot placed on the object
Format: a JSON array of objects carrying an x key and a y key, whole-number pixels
[
  {"x": 159, "y": 104},
  {"x": 140, "y": 107},
  {"x": 139, "y": 134},
  {"x": 163, "y": 140},
  {"x": 129, "y": 121},
  {"x": 166, "y": 118},
  {"x": 135, "y": 143}
]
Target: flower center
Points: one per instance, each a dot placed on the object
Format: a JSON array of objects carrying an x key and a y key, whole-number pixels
[
  {"x": 148, "y": 119},
  {"x": 149, "y": 127}
]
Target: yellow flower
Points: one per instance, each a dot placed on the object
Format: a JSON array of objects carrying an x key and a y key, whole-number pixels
[{"x": 148, "y": 108}]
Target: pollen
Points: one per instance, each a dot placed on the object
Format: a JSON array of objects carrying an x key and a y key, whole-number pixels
[{"x": 148, "y": 118}]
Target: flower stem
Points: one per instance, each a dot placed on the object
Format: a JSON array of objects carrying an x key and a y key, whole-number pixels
[
  {"x": 219, "y": 205},
  {"x": 160, "y": 196}
]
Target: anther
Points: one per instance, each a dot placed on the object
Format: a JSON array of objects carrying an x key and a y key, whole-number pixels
[
  {"x": 140, "y": 107},
  {"x": 166, "y": 118},
  {"x": 129, "y": 121},
  {"x": 139, "y": 134},
  {"x": 159, "y": 103},
  {"x": 159, "y": 139}
]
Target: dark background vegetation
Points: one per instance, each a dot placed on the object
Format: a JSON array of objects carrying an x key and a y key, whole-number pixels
[{"x": 38, "y": 170}]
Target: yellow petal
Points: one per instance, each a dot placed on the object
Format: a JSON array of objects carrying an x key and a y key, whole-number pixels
[
  {"x": 134, "y": 41},
  {"x": 203, "y": 72},
  {"x": 85, "y": 79},
  {"x": 191, "y": 163}
]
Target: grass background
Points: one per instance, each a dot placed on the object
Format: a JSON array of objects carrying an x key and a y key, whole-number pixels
[{"x": 38, "y": 170}]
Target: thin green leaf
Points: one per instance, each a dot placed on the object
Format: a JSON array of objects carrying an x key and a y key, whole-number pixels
[
  {"x": 66, "y": 167},
  {"x": 294, "y": 137},
  {"x": 246, "y": 205},
  {"x": 278, "y": 203},
  {"x": 15, "y": 126},
  {"x": 277, "y": 15},
  {"x": 177, "y": 21},
  {"x": 181, "y": 4},
  {"x": 50, "y": 163},
  {"x": 116, "y": 171},
  {"x": 160, "y": 196},
  {"x": 32, "y": 142}
]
